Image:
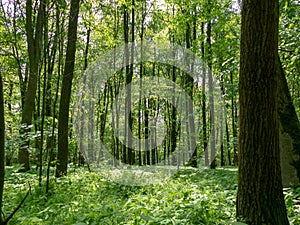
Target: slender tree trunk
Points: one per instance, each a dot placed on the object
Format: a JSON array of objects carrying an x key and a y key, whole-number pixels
[
  {"x": 2, "y": 146},
  {"x": 131, "y": 155},
  {"x": 51, "y": 62},
  {"x": 59, "y": 71},
  {"x": 140, "y": 115},
  {"x": 189, "y": 82},
  {"x": 46, "y": 50},
  {"x": 63, "y": 119},
  {"x": 103, "y": 117},
  {"x": 211, "y": 100},
  {"x": 203, "y": 99},
  {"x": 34, "y": 40},
  {"x": 127, "y": 81},
  {"x": 234, "y": 129},
  {"x": 147, "y": 131},
  {"x": 222, "y": 160},
  {"x": 83, "y": 118},
  {"x": 227, "y": 141},
  {"x": 259, "y": 199},
  {"x": 172, "y": 130}
]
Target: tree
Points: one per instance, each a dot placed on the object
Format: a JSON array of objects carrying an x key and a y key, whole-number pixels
[
  {"x": 259, "y": 199},
  {"x": 2, "y": 143},
  {"x": 211, "y": 98},
  {"x": 63, "y": 119},
  {"x": 34, "y": 40}
]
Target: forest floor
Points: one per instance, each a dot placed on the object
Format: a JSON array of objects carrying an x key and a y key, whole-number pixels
[{"x": 83, "y": 197}]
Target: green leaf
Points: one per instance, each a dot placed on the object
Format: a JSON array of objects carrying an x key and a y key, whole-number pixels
[{"x": 146, "y": 217}]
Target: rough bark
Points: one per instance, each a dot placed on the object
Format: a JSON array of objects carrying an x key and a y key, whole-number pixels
[
  {"x": 259, "y": 199},
  {"x": 63, "y": 119}
]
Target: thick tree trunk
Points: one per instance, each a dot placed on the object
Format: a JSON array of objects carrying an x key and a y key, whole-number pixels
[
  {"x": 259, "y": 199},
  {"x": 63, "y": 119}
]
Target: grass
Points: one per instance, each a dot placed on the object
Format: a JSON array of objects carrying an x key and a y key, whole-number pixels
[{"x": 83, "y": 197}]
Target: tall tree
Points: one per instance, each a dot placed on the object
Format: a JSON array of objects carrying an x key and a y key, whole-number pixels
[
  {"x": 203, "y": 100},
  {"x": 190, "y": 37},
  {"x": 211, "y": 98},
  {"x": 234, "y": 127},
  {"x": 259, "y": 199},
  {"x": 128, "y": 80},
  {"x": 63, "y": 119},
  {"x": 2, "y": 149},
  {"x": 34, "y": 42}
]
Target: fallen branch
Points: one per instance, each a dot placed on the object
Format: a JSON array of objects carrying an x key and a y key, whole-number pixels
[{"x": 5, "y": 221}]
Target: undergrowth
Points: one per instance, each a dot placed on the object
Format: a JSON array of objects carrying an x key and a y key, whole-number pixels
[{"x": 83, "y": 197}]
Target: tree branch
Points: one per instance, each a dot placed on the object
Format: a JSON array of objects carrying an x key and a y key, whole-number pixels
[{"x": 18, "y": 207}]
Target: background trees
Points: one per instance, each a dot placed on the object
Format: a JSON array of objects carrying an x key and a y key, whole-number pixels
[
  {"x": 106, "y": 24},
  {"x": 36, "y": 65},
  {"x": 210, "y": 31}
]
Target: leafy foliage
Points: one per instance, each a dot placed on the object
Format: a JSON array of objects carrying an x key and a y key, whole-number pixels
[{"x": 83, "y": 197}]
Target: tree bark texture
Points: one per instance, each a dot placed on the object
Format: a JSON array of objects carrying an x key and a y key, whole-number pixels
[{"x": 260, "y": 198}]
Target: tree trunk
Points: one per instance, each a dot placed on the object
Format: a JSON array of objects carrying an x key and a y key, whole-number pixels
[
  {"x": 141, "y": 71},
  {"x": 189, "y": 83},
  {"x": 63, "y": 119},
  {"x": 203, "y": 99},
  {"x": 2, "y": 146},
  {"x": 234, "y": 128},
  {"x": 51, "y": 62},
  {"x": 34, "y": 40},
  {"x": 222, "y": 160},
  {"x": 212, "y": 140},
  {"x": 227, "y": 141},
  {"x": 131, "y": 155},
  {"x": 127, "y": 81},
  {"x": 259, "y": 199}
]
